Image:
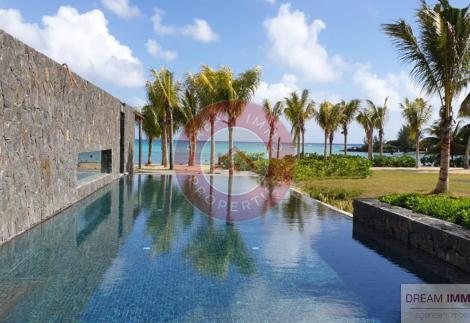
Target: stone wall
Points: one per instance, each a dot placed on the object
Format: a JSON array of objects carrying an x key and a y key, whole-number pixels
[
  {"x": 47, "y": 116},
  {"x": 442, "y": 239}
]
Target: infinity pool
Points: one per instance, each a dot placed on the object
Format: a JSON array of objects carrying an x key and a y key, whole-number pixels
[{"x": 138, "y": 250}]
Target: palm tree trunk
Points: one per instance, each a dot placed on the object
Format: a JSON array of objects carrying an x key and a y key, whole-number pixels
[
  {"x": 149, "y": 159},
  {"x": 164, "y": 147},
  {"x": 466, "y": 160},
  {"x": 193, "y": 162},
  {"x": 171, "y": 138},
  {"x": 303, "y": 142},
  {"x": 190, "y": 151},
  {"x": 212, "y": 162},
  {"x": 345, "y": 133},
  {"x": 332, "y": 136},
  {"x": 370, "y": 142},
  {"x": 443, "y": 182},
  {"x": 417, "y": 150},
  {"x": 230, "y": 149},
  {"x": 326, "y": 144},
  {"x": 381, "y": 139},
  {"x": 270, "y": 142},
  {"x": 278, "y": 146}
]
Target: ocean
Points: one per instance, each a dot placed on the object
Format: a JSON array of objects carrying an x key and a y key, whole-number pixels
[{"x": 221, "y": 148}]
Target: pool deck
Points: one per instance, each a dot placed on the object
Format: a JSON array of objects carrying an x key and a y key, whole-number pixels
[{"x": 189, "y": 170}]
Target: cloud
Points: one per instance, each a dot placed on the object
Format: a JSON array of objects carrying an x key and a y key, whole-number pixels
[
  {"x": 137, "y": 102},
  {"x": 394, "y": 86},
  {"x": 270, "y": 1},
  {"x": 122, "y": 8},
  {"x": 199, "y": 30},
  {"x": 82, "y": 41},
  {"x": 154, "y": 49},
  {"x": 293, "y": 42},
  {"x": 276, "y": 91}
]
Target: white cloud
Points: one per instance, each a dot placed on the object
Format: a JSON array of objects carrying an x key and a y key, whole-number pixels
[
  {"x": 270, "y": 1},
  {"x": 154, "y": 49},
  {"x": 137, "y": 102},
  {"x": 122, "y": 8},
  {"x": 276, "y": 91},
  {"x": 199, "y": 30},
  {"x": 293, "y": 42},
  {"x": 82, "y": 41}
]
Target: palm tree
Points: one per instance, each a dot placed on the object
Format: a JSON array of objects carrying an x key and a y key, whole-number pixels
[
  {"x": 334, "y": 122},
  {"x": 328, "y": 118},
  {"x": 151, "y": 128},
  {"x": 239, "y": 91},
  {"x": 348, "y": 114},
  {"x": 272, "y": 114},
  {"x": 190, "y": 107},
  {"x": 156, "y": 102},
  {"x": 366, "y": 119},
  {"x": 380, "y": 117},
  {"x": 299, "y": 110},
  {"x": 167, "y": 89},
  {"x": 440, "y": 60},
  {"x": 416, "y": 113}
]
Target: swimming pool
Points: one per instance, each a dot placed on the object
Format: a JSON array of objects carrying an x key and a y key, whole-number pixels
[{"x": 137, "y": 250}]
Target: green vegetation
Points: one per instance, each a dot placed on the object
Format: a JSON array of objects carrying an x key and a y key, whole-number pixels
[
  {"x": 335, "y": 166},
  {"x": 379, "y": 183},
  {"x": 452, "y": 209},
  {"x": 399, "y": 161}
]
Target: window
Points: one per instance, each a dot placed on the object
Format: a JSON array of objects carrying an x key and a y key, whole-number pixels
[{"x": 92, "y": 164}]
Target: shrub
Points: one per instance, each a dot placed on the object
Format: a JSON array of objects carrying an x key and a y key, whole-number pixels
[
  {"x": 399, "y": 161},
  {"x": 452, "y": 209},
  {"x": 281, "y": 169},
  {"x": 335, "y": 166},
  {"x": 338, "y": 197},
  {"x": 242, "y": 161}
]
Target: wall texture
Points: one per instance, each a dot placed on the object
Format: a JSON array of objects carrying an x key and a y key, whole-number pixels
[
  {"x": 444, "y": 240},
  {"x": 47, "y": 116}
]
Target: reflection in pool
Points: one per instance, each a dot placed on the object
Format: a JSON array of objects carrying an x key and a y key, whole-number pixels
[{"x": 139, "y": 251}]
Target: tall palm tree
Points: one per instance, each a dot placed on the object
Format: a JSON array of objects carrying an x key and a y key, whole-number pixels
[
  {"x": 366, "y": 118},
  {"x": 188, "y": 111},
  {"x": 238, "y": 91},
  {"x": 167, "y": 89},
  {"x": 416, "y": 113},
  {"x": 151, "y": 129},
  {"x": 158, "y": 107},
  {"x": 380, "y": 117},
  {"x": 348, "y": 114},
  {"x": 440, "y": 59},
  {"x": 272, "y": 114},
  {"x": 328, "y": 118},
  {"x": 335, "y": 122},
  {"x": 299, "y": 109}
]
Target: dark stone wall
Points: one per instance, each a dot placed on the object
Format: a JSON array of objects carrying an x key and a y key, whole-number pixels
[
  {"x": 442, "y": 239},
  {"x": 47, "y": 116}
]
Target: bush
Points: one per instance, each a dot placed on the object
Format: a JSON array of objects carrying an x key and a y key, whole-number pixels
[
  {"x": 338, "y": 197},
  {"x": 243, "y": 161},
  {"x": 399, "y": 161},
  {"x": 335, "y": 166},
  {"x": 452, "y": 209},
  {"x": 281, "y": 169}
]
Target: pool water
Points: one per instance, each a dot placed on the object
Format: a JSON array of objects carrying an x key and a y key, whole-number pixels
[{"x": 138, "y": 251}]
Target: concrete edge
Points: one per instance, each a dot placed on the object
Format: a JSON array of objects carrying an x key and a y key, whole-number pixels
[{"x": 298, "y": 190}]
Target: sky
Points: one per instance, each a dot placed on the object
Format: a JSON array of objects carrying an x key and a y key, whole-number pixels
[{"x": 334, "y": 48}]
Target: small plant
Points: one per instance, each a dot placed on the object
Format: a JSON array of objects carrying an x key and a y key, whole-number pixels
[
  {"x": 448, "y": 208},
  {"x": 399, "y": 161}
]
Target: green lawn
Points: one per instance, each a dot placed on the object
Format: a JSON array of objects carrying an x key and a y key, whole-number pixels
[{"x": 341, "y": 192}]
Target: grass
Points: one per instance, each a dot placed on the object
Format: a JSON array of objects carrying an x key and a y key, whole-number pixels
[{"x": 341, "y": 192}]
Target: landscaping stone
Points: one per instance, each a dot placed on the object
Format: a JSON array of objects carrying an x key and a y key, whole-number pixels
[{"x": 447, "y": 241}]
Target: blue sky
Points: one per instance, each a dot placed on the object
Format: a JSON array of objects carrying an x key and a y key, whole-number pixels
[{"x": 334, "y": 48}]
